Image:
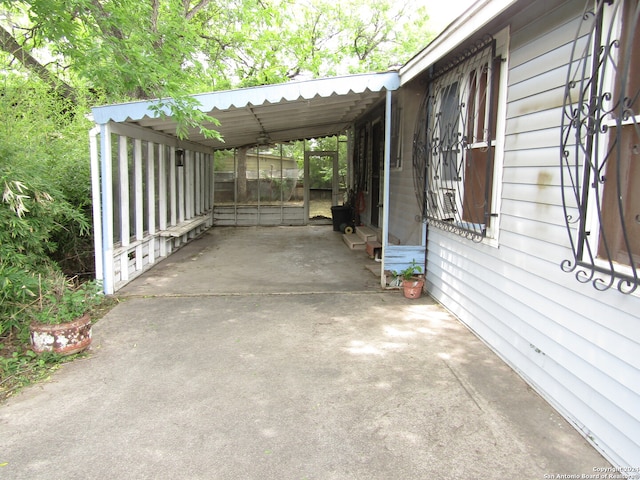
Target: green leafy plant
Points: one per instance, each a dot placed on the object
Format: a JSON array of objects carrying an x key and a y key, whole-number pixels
[
  {"x": 17, "y": 289},
  {"x": 186, "y": 112},
  {"x": 410, "y": 272},
  {"x": 21, "y": 368},
  {"x": 65, "y": 302}
]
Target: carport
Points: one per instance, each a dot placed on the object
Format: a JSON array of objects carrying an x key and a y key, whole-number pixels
[{"x": 153, "y": 190}]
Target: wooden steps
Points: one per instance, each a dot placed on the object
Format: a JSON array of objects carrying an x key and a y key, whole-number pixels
[
  {"x": 353, "y": 241},
  {"x": 359, "y": 239}
]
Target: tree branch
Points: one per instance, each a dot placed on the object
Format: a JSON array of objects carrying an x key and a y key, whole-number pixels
[
  {"x": 12, "y": 47},
  {"x": 106, "y": 27},
  {"x": 199, "y": 6},
  {"x": 155, "y": 12}
]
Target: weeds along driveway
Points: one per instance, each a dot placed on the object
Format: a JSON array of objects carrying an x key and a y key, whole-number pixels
[{"x": 285, "y": 385}]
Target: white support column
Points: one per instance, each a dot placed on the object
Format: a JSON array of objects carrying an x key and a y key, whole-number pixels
[
  {"x": 163, "y": 193},
  {"x": 107, "y": 209},
  {"x": 258, "y": 183},
  {"x": 151, "y": 188},
  {"x": 192, "y": 184},
  {"x": 162, "y": 188},
  {"x": 123, "y": 164},
  {"x": 207, "y": 181},
  {"x": 139, "y": 194},
  {"x": 173, "y": 192},
  {"x": 235, "y": 186},
  {"x": 385, "y": 193},
  {"x": 138, "y": 202},
  {"x": 203, "y": 180},
  {"x": 212, "y": 179},
  {"x": 125, "y": 228},
  {"x": 186, "y": 186},
  {"x": 151, "y": 199},
  {"x": 96, "y": 201},
  {"x": 198, "y": 182},
  {"x": 206, "y": 158},
  {"x": 306, "y": 183}
]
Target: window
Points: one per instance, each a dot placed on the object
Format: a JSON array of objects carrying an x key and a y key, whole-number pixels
[
  {"x": 463, "y": 114},
  {"x": 601, "y": 148}
]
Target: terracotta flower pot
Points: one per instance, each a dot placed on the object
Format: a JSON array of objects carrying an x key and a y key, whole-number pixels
[
  {"x": 413, "y": 288},
  {"x": 64, "y": 338}
]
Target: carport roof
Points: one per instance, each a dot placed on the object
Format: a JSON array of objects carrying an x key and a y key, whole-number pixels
[{"x": 282, "y": 112}]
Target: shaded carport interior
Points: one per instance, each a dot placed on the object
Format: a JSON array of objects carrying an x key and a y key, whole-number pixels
[{"x": 132, "y": 238}]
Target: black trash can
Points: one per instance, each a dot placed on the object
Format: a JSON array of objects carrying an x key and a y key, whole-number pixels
[{"x": 341, "y": 215}]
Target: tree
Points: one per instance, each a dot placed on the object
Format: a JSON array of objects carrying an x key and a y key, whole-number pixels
[{"x": 139, "y": 49}]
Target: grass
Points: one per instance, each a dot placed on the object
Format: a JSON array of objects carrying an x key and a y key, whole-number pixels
[{"x": 21, "y": 367}]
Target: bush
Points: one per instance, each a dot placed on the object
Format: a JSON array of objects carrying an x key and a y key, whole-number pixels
[
  {"x": 29, "y": 219},
  {"x": 44, "y": 192}
]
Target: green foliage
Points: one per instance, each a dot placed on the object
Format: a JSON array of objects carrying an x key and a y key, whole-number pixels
[
  {"x": 29, "y": 218},
  {"x": 44, "y": 188},
  {"x": 185, "y": 111},
  {"x": 18, "y": 288},
  {"x": 132, "y": 49},
  {"x": 410, "y": 272},
  {"x": 22, "y": 367},
  {"x": 165, "y": 48},
  {"x": 44, "y": 149},
  {"x": 65, "y": 302}
]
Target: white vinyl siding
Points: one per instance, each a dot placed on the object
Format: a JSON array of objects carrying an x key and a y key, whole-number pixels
[{"x": 577, "y": 346}]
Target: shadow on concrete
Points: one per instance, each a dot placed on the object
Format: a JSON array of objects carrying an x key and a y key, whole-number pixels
[{"x": 302, "y": 374}]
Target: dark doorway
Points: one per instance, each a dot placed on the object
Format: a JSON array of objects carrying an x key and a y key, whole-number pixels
[{"x": 377, "y": 172}]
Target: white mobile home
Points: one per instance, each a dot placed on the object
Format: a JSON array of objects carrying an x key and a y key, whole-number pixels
[
  {"x": 504, "y": 156},
  {"x": 520, "y": 125}
]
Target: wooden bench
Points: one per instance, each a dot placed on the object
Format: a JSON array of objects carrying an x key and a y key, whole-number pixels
[{"x": 184, "y": 227}]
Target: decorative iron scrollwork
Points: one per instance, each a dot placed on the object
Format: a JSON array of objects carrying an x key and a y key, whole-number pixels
[
  {"x": 454, "y": 142},
  {"x": 600, "y": 162}
]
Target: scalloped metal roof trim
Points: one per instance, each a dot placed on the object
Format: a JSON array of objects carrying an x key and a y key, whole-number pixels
[{"x": 292, "y": 91}]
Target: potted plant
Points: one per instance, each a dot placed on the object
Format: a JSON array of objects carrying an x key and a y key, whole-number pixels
[
  {"x": 412, "y": 280},
  {"x": 60, "y": 321}
]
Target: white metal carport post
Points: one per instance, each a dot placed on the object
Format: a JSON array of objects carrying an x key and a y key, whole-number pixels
[
  {"x": 102, "y": 193},
  {"x": 95, "y": 195},
  {"x": 385, "y": 195}
]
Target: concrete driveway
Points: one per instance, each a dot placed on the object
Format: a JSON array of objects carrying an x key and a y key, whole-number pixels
[{"x": 272, "y": 353}]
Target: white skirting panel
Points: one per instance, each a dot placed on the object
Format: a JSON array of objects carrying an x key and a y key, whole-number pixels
[{"x": 249, "y": 215}]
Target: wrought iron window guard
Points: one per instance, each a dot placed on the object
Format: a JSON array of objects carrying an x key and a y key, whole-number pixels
[
  {"x": 600, "y": 167},
  {"x": 456, "y": 120}
]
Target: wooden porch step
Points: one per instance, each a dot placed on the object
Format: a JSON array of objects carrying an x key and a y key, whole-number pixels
[
  {"x": 366, "y": 234},
  {"x": 353, "y": 241}
]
